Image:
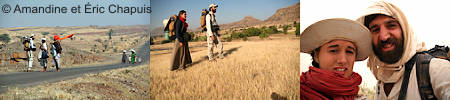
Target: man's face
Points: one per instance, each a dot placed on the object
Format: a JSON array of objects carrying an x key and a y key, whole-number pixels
[
  {"x": 387, "y": 38},
  {"x": 213, "y": 9}
]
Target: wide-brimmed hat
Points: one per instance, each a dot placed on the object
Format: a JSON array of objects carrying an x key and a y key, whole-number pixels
[{"x": 327, "y": 30}]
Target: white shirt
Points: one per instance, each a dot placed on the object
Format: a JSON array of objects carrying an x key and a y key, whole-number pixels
[{"x": 210, "y": 20}]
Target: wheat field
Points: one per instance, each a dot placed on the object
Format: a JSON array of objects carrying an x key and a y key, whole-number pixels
[{"x": 260, "y": 69}]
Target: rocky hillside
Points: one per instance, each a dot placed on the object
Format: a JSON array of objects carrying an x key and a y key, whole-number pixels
[
  {"x": 157, "y": 31},
  {"x": 245, "y": 22},
  {"x": 282, "y": 16},
  {"x": 285, "y": 15}
]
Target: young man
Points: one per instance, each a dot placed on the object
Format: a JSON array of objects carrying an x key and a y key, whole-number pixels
[
  {"x": 397, "y": 55},
  {"x": 212, "y": 29},
  {"x": 26, "y": 43},
  {"x": 43, "y": 55},
  {"x": 30, "y": 52},
  {"x": 56, "y": 52}
]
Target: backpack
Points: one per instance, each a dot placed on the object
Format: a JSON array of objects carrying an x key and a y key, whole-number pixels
[
  {"x": 58, "y": 47},
  {"x": 422, "y": 62},
  {"x": 26, "y": 45},
  {"x": 44, "y": 54},
  {"x": 170, "y": 26},
  {"x": 203, "y": 19}
]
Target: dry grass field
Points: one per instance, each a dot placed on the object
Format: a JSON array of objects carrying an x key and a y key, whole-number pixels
[
  {"x": 254, "y": 69},
  {"x": 125, "y": 83}
]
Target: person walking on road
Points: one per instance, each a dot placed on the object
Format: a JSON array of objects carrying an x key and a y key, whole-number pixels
[
  {"x": 56, "y": 50},
  {"x": 124, "y": 56},
  {"x": 43, "y": 55},
  {"x": 133, "y": 56},
  {"x": 32, "y": 48}
]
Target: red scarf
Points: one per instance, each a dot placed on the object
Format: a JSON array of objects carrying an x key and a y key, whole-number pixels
[
  {"x": 184, "y": 21},
  {"x": 317, "y": 84}
]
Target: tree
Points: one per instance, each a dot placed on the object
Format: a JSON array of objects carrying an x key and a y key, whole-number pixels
[
  {"x": 110, "y": 32},
  {"x": 252, "y": 31},
  {"x": 285, "y": 28},
  {"x": 45, "y": 33},
  {"x": 297, "y": 29},
  {"x": 274, "y": 29},
  {"x": 5, "y": 38}
]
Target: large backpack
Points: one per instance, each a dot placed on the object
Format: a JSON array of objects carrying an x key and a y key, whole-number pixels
[
  {"x": 203, "y": 19},
  {"x": 170, "y": 26},
  {"x": 58, "y": 47},
  {"x": 26, "y": 45},
  {"x": 422, "y": 62}
]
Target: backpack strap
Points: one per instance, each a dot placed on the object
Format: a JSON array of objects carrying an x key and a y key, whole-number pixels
[
  {"x": 408, "y": 68},
  {"x": 423, "y": 77}
]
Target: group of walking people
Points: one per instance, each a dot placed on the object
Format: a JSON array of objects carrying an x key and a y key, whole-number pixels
[
  {"x": 132, "y": 58},
  {"x": 43, "y": 55}
]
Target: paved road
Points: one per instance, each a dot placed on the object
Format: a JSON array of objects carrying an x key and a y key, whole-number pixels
[{"x": 24, "y": 79}]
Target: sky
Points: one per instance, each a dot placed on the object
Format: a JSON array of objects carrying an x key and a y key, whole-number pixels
[
  {"x": 428, "y": 20},
  {"x": 8, "y": 20},
  {"x": 228, "y": 10}
]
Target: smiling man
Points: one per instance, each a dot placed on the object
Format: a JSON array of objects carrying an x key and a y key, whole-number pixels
[{"x": 397, "y": 60}]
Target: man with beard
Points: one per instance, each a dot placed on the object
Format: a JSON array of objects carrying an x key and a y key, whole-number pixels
[
  {"x": 402, "y": 71},
  {"x": 212, "y": 29}
]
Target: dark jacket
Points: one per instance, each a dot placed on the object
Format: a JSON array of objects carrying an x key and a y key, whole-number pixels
[{"x": 179, "y": 30}]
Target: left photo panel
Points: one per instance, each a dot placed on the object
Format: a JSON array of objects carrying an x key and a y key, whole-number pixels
[{"x": 75, "y": 49}]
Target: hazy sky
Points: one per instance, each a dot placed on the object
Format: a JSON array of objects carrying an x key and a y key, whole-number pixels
[
  {"x": 228, "y": 10},
  {"x": 71, "y": 19},
  {"x": 428, "y": 20}
]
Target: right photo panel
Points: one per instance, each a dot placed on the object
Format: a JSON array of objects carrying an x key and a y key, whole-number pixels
[{"x": 374, "y": 50}]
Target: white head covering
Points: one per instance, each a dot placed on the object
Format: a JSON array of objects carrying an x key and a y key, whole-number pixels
[
  {"x": 213, "y": 5},
  {"x": 391, "y": 73}
]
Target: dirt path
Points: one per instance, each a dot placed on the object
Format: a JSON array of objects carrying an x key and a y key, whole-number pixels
[{"x": 250, "y": 70}]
